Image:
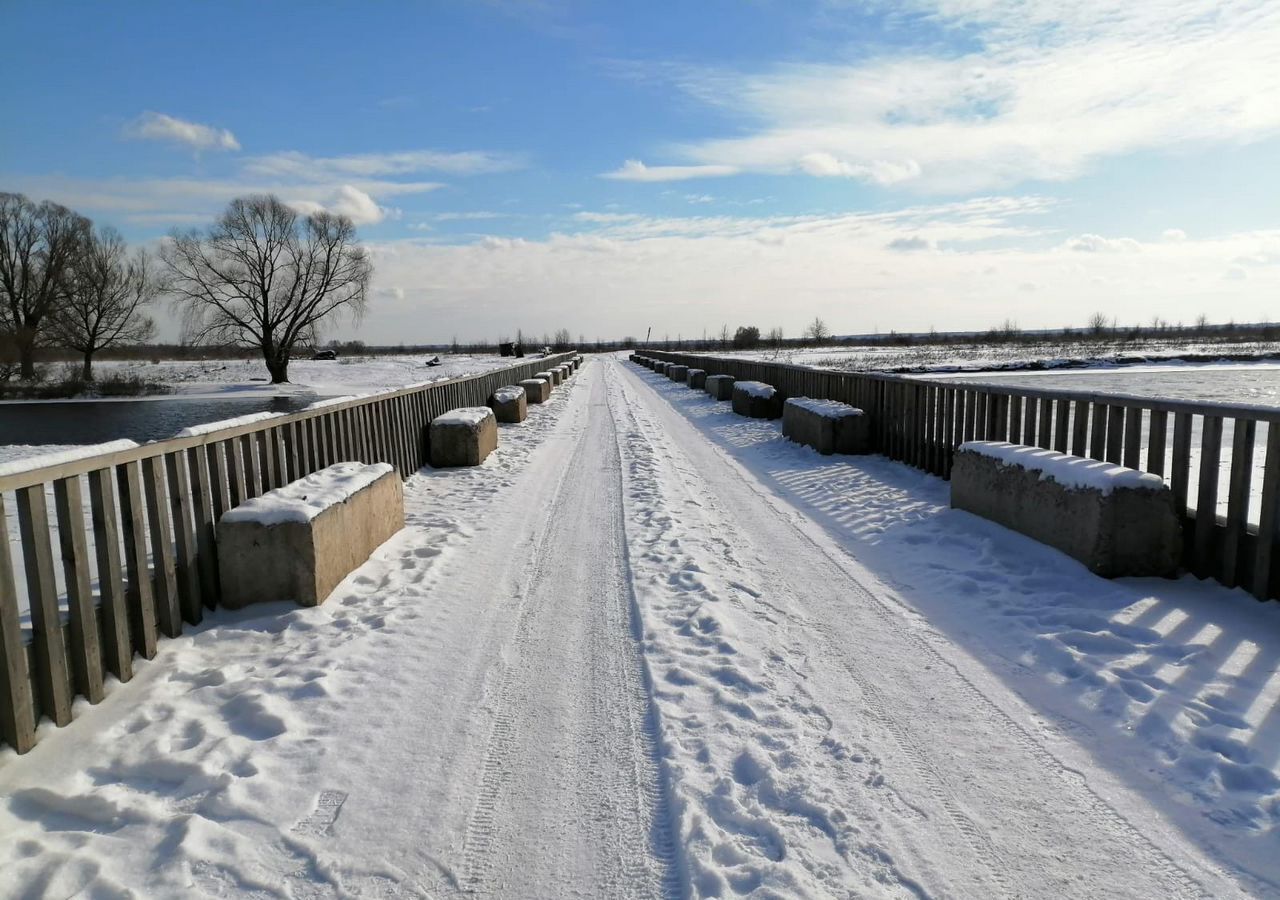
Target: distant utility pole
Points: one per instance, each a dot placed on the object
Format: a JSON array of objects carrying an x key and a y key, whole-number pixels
[{"x": 646, "y": 335}]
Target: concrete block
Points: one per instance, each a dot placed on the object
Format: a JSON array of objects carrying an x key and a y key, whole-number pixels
[
  {"x": 547, "y": 377},
  {"x": 1117, "y": 521},
  {"x": 536, "y": 390},
  {"x": 696, "y": 379},
  {"x": 720, "y": 386},
  {"x": 756, "y": 400},
  {"x": 828, "y": 426},
  {"x": 677, "y": 373},
  {"x": 661, "y": 367},
  {"x": 299, "y": 541},
  {"x": 509, "y": 404},
  {"x": 463, "y": 437}
]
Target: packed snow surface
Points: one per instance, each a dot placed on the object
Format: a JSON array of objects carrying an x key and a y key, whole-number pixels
[
  {"x": 831, "y": 409},
  {"x": 755, "y": 388},
  {"x": 651, "y": 648},
  {"x": 211, "y": 427},
  {"x": 302, "y": 500},
  {"x": 1075, "y": 472},
  {"x": 20, "y": 459},
  {"x": 469, "y": 416}
]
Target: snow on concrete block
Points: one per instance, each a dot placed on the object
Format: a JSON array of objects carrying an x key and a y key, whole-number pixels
[
  {"x": 547, "y": 377},
  {"x": 756, "y": 400},
  {"x": 509, "y": 404},
  {"x": 1117, "y": 521},
  {"x": 463, "y": 437},
  {"x": 298, "y": 541},
  {"x": 720, "y": 386},
  {"x": 827, "y": 426},
  {"x": 696, "y": 379},
  {"x": 678, "y": 373},
  {"x": 536, "y": 390}
]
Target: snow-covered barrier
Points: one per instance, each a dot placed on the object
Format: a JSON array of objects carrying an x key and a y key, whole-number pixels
[
  {"x": 720, "y": 386},
  {"x": 548, "y": 377},
  {"x": 462, "y": 437},
  {"x": 298, "y": 541},
  {"x": 660, "y": 367},
  {"x": 756, "y": 400},
  {"x": 1117, "y": 521},
  {"x": 827, "y": 426},
  {"x": 696, "y": 379},
  {"x": 678, "y": 373},
  {"x": 536, "y": 390},
  {"x": 509, "y": 403}
]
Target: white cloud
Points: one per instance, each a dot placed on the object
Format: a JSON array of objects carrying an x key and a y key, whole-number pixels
[
  {"x": 909, "y": 244},
  {"x": 347, "y": 201},
  {"x": 1094, "y": 243},
  {"x": 1174, "y": 234},
  {"x": 293, "y": 164},
  {"x": 635, "y": 170},
  {"x": 153, "y": 126},
  {"x": 616, "y": 277},
  {"x": 1053, "y": 89}
]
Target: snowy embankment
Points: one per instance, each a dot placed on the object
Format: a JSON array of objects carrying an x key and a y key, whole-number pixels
[
  {"x": 346, "y": 375},
  {"x": 651, "y": 648}
]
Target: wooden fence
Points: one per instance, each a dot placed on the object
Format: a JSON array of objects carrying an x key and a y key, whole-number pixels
[
  {"x": 149, "y": 519},
  {"x": 1198, "y": 448}
]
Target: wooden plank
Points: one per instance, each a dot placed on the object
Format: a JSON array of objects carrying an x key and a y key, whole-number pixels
[
  {"x": 237, "y": 483},
  {"x": 1115, "y": 434},
  {"x": 219, "y": 478},
  {"x": 1080, "y": 428},
  {"x": 1044, "y": 425},
  {"x": 1062, "y": 425},
  {"x": 86, "y": 645},
  {"x": 1180, "y": 477},
  {"x": 1098, "y": 432},
  {"x": 252, "y": 465},
  {"x": 269, "y": 460},
  {"x": 1015, "y": 420},
  {"x": 1157, "y": 433},
  {"x": 1031, "y": 407},
  {"x": 182, "y": 509},
  {"x": 164, "y": 582},
  {"x": 1207, "y": 497},
  {"x": 53, "y": 673},
  {"x": 1266, "y": 557},
  {"x": 205, "y": 527},
  {"x": 117, "y": 650},
  {"x": 1133, "y": 438},
  {"x": 140, "y": 600},
  {"x": 1242, "y": 438},
  {"x": 17, "y": 705}
]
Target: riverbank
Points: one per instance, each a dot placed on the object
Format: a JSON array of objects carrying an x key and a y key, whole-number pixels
[{"x": 114, "y": 385}]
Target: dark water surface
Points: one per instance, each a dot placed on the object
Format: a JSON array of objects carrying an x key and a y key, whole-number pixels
[{"x": 95, "y": 421}]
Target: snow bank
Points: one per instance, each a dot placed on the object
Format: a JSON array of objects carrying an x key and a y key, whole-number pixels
[
  {"x": 755, "y": 388},
  {"x": 71, "y": 454},
  {"x": 470, "y": 416},
  {"x": 330, "y": 401},
  {"x": 210, "y": 427},
  {"x": 831, "y": 409},
  {"x": 306, "y": 498},
  {"x": 1074, "y": 472}
]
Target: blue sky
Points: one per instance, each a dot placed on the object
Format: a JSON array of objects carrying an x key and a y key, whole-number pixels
[{"x": 608, "y": 167}]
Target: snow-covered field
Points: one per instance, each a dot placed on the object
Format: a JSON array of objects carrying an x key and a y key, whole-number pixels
[
  {"x": 345, "y": 375},
  {"x": 1047, "y": 353},
  {"x": 650, "y": 648}
]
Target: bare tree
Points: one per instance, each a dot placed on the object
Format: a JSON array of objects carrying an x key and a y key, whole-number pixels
[
  {"x": 562, "y": 340},
  {"x": 105, "y": 304},
  {"x": 724, "y": 336},
  {"x": 1098, "y": 323},
  {"x": 264, "y": 276},
  {"x": 38, "y": 245},
  {"x": 817, "y": 330}
]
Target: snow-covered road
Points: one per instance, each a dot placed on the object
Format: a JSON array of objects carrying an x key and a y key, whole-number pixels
[{"x": 631, "y": 656}]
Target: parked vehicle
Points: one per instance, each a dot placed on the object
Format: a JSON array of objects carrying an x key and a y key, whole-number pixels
[{"x": 325, "y": 354}]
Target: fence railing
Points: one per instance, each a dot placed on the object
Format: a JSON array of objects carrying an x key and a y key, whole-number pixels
[
  {"x": 128, "y": 553},
  {"x": 1221, "y": 461}
]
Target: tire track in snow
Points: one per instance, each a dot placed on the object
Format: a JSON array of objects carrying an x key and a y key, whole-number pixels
[
  {"x": 1177, "y": 880},
  {"x": 616, "y": 785}
]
